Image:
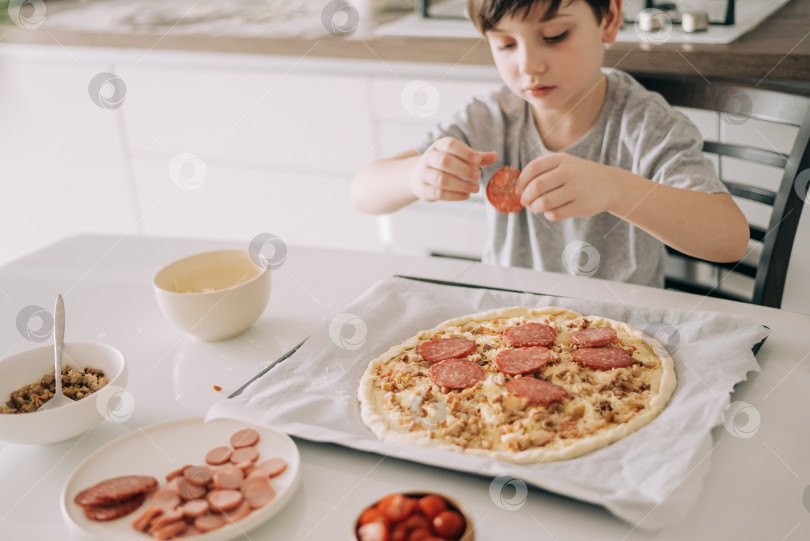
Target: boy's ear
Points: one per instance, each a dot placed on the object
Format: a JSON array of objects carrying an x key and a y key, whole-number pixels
[{"x": 612, "y": 21}]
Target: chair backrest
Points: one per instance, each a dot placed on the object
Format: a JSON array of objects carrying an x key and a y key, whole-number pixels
[{"x": 764, "y": 267}]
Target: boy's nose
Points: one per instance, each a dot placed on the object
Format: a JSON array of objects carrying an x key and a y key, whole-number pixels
[{"x": 532, "y": 62}]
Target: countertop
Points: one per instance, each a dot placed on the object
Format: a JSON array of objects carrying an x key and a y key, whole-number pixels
[{"x": 778, "y": 50}]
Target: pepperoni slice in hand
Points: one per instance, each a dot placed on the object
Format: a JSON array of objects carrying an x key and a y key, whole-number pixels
[
  {"x": 530, "y": 334},
  {"x": 523, "y": 360},
  {"x": 440, "y": 349},
  {"x": 456, "y": 374},
  {"x": 501, "y": 190},
  {"x": 536, "y": 391},
  {"x": 593, "y": 337},
  {"x": 603, "y": 358}
]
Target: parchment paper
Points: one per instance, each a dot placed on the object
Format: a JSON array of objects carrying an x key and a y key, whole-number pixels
[{"x": 649, "y": 479}]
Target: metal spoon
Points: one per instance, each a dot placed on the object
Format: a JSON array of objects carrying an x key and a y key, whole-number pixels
[{"x": 58, "y": 398}]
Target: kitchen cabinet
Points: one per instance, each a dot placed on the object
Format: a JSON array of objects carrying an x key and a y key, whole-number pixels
[
  {"x": 239, "y": 202},
  {"x": 63, "y": 166}
]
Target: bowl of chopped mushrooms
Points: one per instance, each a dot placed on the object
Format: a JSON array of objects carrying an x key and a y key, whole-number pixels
[{"x": 94, "y": 376}]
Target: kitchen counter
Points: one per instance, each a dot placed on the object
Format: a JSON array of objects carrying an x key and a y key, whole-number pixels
[{"x": 777, "y": 50}]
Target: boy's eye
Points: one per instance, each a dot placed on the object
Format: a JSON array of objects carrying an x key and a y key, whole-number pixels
[
  {"x": 505, "y": 46},
  {"x": 557, "y": 38}
]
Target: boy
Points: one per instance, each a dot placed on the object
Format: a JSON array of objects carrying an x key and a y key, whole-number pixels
[{"x": 604, "y": 163}]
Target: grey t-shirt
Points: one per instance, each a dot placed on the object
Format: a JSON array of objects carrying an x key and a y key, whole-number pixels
[{"x": 636, "y": 130}]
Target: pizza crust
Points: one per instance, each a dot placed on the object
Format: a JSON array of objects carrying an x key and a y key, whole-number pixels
[{"x": 392, "y": 393}]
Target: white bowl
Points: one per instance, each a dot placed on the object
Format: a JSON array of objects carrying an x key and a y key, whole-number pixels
[
  {"x": 213, "y": 295},
  {"x": 71, "y": 419}
]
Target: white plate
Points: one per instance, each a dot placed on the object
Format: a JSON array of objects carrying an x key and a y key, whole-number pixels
[{"x": 159, "y": 449}]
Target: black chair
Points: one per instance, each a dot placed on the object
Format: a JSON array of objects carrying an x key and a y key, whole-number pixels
[{"x": 766, "y": 263}]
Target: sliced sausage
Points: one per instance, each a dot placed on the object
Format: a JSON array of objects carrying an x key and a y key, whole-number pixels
[
  {"x": 167, "y": 517},
  {"x": 188, "y": 490},
  {"x": 224, "y": 500},
  {"x": 195, "y": 508},
  {"x": 530, "y": 334},
  {"x": 169, "y": 531},
  {"x": 522, "y": 360},
  {"x": 502, "y": 190},
  {"x": 594, "y": 336},
  {"x": 440, "y": 349},
  {"x": 207, "y": 523},
  {"x": 166, "y": 499},
  {"x": 239, "y": 513},
  {"x": 218, "y": 456},
  {"x": 536, "y": 391},
  {"x": 246, "y": 437},
  {"x": 244, "y": 453},
  {"x": 116, "y": 489},
  {"x": 115, "y": 510},
  {"x": 274, "y": 466},
  {"x": 142, "y": 522},
  {"x": 259, "y": 493},
  {"x": 179, "y": 471},
  {"x": 228, "y": 478},
  {"x": 198, "y": 475},
  {"x": 603, "y": 358},
  {"x": 456, "y": 373}
]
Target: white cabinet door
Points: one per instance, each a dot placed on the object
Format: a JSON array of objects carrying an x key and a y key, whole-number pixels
[
  {"x": 238, "y": 203},
  {"x": 288, "y": 120},
  {"x": 63, "y": 171}
]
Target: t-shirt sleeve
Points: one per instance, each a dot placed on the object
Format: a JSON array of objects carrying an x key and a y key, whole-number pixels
[
  {"x": 670, "y": 151},
  {"x": 468, "y": 124}
]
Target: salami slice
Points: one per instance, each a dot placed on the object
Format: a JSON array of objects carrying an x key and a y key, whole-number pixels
[
  {"x": 530, "y": 334},
  {"x": 603, "y": 358},
  {"x": 116, "y": 489},
  {"x": 594, "y": 336},
  {"x": 522, "y": 360},
  {"x": 440, "y": 349},
  {"x": 115, "y": 510},
  {"x": 456, "y": 374},
  {"x": 501, "y": 190},
  {"x": 536, "y": 391}
]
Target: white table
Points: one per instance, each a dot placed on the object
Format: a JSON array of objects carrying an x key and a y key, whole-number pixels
[{"x": 757, "y": 487}]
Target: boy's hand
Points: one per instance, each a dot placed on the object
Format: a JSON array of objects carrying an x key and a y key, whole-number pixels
[
  {"x": 448, "y": 171},
  {"x": 563, "y": 186}
]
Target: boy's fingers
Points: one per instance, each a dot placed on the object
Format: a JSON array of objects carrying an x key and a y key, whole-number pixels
[
  {"x": 465, "y": 153},
  {"x": 534, "y": 169},
  {"x": 487, "y": 158},
  {"x": 450, "y": 183},
  {"x": 452, "y": 165}
]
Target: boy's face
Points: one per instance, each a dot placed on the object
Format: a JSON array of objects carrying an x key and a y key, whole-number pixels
[{"x": 555, "y": 63}]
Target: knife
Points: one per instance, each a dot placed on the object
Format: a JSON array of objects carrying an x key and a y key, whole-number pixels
[
  {"x": 284, "y": 357},
  {"x": 472, "y": 286}
]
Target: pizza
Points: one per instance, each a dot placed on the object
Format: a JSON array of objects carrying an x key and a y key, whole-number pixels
[{"x": 518, "y": 384}]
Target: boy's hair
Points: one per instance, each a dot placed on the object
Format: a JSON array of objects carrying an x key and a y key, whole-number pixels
[{"x": 486, "y": 14}]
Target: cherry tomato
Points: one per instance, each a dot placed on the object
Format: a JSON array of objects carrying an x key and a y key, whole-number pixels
[
  {"x": 385, "y": 501},
  {"x": 431, "y": 505},
  {"x": 416, "y": 522},
  {"x": 420, "y": 534},
  {"x": 372, "y": 514},
  {"x": 373, "y": 531},
  {"x": 399, "y": 533},
  {"x": 448, "y": 523},
  {"x": 397, "y": 508}
]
